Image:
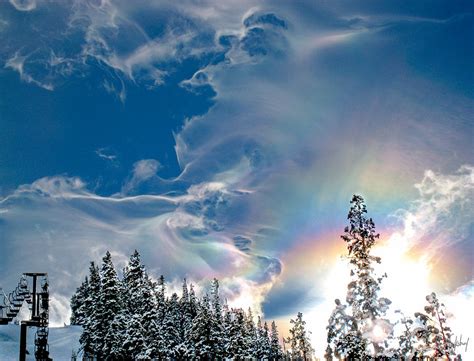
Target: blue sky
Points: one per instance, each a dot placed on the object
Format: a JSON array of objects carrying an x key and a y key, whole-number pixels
[{"x": 226, "y": 138}]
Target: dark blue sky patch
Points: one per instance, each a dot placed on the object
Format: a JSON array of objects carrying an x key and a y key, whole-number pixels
[
  {"x": 442, "y": 51},
  {"x": 61, "y": 131}
]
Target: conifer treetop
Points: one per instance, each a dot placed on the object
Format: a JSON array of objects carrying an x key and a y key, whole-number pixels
[{"x": 360, "y": 235}]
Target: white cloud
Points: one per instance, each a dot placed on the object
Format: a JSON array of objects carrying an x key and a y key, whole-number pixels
[
  {"x": 60, "y": 312},
  {"x": 104, "y": 153},
  {"x": 442, "y": 216},
  {"x": 24, "y": 5},
  {"x": 143, "y": 170},
  {"x": 59, "y": 226},
  {"x": 142, "y": 56},
  {"x": 17, "y": 63},
  {"x": 54, "y": 187}
]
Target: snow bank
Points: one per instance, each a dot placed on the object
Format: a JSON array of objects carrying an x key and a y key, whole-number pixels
[{"x": 62, "y": 340}]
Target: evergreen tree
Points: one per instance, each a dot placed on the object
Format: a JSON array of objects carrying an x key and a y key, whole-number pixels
[
  {"x": 193, "y": 304},
  {"x": 217, "y": 330},
  {"x": 78, "y": 299},
  {"x": 299, "y": 339},
  {"x": 110, "y": 302},
  {"x": 157, "y": 343},
  {"x": 171, "y": 328},
  {"x": 286, "y": 352},
  {"x": 433, "y": 334},
  {"x": 134, "y": 343},
  {"x": 184, "y": 300},
  {"x": 91, "y": 322},
  {"x": 275, "y": 347},
  {"x": 133, "y": 280},
  {"x": 188, "y": 306},
  {"x": 406, "y": 340},
  {"x": 251, "y": 336},
  {"x": 227, "y": 331},
  {"x": 117, "y": 336},
  {"x": 267, "y": 348},
  {"x": 344, "y": 339},
  {"x": 185, "y": 348},
  {"x": 201, "y": 331},
  {"x": 237, "y": 346},
  {"x": 148, "y": 312},
  {"x": 161, "y": 299},
  {"x": 262, "y": 345},
  {"x": 349, "y": 332}
]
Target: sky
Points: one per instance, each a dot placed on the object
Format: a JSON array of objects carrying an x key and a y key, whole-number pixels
[{"x": 226, "y": 139}]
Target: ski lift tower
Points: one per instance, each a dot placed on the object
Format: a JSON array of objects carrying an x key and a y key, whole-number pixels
[{"x": 38, "y": 299}]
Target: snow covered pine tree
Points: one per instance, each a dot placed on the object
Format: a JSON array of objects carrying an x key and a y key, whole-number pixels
[
  {"x": 433, "y": 335},
  {"x": 89, "y": 310},
  {"x": 275, "y": 348},
  {"x": 301, "y": 349},
  {"x": 139, "y": 304},
  {"x": 110, "y": 304},
  {"x": 77, "y": 303},
  {"x": 358, "y": 330}
]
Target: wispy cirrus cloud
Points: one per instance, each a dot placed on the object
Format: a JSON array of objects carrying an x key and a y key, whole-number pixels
[
  {"x": 104, "y": 153},
  {"x": 24, "y": 5},
  {"x": 143, "y": 170},
  {"x": 17, "y": 63},
  {"x": 441, "y": 217},
  {"x": 187, "y": 235},
  {"x": 130, "y": 49}
]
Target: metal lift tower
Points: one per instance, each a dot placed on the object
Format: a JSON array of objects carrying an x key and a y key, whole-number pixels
[{"x": 37, "y": 297}]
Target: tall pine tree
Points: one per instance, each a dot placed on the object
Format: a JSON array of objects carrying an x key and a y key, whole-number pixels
[
  {"x": 301, "y": 348},
  {"x": 89, "y": 337},
  {"x": 110, "y": 302},
  {"x": 275, "y": 347},
  {"x": 217, "y": 330},
  {"x": 201, "y": 333},
  {"x": 78, "y": 299},
  {"x": 354, "y": 331}
]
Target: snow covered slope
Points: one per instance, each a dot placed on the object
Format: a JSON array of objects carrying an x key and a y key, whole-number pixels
[{"x": 62, "y": 341}]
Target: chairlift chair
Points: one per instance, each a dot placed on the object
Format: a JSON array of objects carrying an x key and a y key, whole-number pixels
[
  {"x": 4, "y": 319},
  {"x": 23, "y": 283}
]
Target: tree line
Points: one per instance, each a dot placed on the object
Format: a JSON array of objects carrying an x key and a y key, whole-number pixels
[{"x": 133, "y": 318}]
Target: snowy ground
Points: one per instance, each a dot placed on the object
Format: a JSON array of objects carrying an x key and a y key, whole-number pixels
[{"x": 62, "y": 341}]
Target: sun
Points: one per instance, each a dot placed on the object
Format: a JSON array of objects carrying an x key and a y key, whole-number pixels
[
  {"x": 406, "y": 284},
  {"x": 407, "y": 280}
]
